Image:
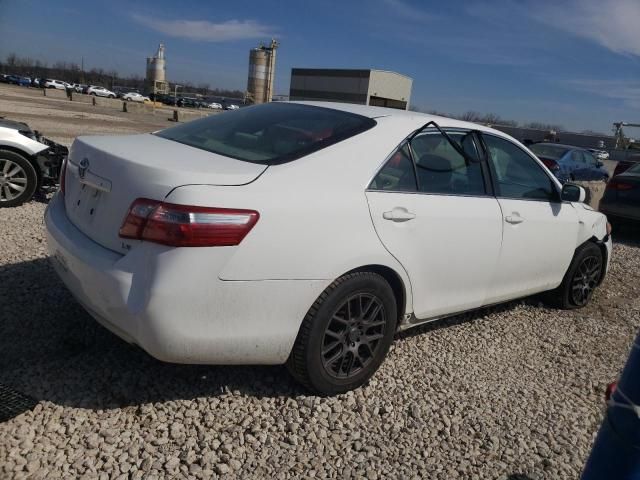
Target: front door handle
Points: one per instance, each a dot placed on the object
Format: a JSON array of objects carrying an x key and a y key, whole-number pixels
[
  {"x": 514, "y": 219},
  {"x": 399, "y": 214}
]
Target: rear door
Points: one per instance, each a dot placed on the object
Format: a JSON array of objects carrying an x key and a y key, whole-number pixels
[
  {"x": 540, "y": 231},
  {"x": 438, "y": 218}
]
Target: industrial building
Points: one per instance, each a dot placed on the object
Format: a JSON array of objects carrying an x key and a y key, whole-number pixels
[
  {"x": 367, "y": 87},
  {"x": 262, "y": 65},
  {"x": 156, "y": 81}
]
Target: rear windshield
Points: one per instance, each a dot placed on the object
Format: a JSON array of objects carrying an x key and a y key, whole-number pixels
[
  {"x": 552, "y": 152},
  {"x": 270, "y": 133}
]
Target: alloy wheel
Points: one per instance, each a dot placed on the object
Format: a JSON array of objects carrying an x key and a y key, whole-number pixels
[
  {"x": 353, "y": 335},
  {"x": 585, "y": 280},
  {"x": 13, "y": 180}
]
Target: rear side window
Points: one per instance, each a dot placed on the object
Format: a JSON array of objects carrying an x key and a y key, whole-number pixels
[
  {"x": 441, "y": 169},
  {"x": 271, "y": 133},
  {"x": 397, "y": 175}
]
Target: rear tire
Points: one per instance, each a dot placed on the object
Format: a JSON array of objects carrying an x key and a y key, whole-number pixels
[
  {"x": 581, "y": 279},
  {"x": 346, "y": 334},
  {"x": 18, "y": 179}
]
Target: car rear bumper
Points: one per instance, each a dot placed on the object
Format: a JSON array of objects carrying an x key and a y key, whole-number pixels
[
  {"x": 617, "y": 211},
  {"x": 171, "y": 302}
]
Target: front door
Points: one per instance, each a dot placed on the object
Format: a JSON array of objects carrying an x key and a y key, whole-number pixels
[
  {"x": 540, "y": 231},
  {"x": 436, "y": 217}
]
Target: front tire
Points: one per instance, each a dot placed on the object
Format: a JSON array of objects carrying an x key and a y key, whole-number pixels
[
  {"x": 18, "y": 179},
  {"x": 581, "y": 279},
  {"x": 346, "y": 334}
]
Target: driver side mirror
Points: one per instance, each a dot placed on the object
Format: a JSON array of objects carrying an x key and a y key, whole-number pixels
[{"x": 573, "y": 193}]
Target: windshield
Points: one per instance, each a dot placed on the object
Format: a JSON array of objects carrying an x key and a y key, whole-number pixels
[
  {"x": 634, "y": 169},
  {"x": 270, "y": 133},
  {"x": 553, "y": 152}
]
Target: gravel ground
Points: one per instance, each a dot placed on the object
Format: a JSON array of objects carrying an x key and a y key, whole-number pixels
[{"x": 514, "y": 392}]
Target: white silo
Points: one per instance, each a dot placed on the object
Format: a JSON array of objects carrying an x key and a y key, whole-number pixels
[
  {"x": 156, "y": 72},
  {"x": 262, "y": 65}
]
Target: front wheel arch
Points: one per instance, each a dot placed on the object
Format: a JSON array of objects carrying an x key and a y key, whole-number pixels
[{"x": 30, "y": 158}]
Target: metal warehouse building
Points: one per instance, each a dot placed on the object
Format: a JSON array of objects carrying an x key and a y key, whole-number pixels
[{"x": 367, "y": 87}]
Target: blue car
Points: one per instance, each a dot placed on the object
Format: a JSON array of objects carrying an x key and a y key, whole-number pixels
[
  {"x": 18, "y": 80},
  {"x": 569, "y": 163}
]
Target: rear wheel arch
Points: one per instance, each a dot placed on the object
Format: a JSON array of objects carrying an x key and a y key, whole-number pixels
[{"x": 395, "y": 282}]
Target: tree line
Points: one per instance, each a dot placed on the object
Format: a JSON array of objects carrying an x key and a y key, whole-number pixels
[
  {"x": 74, "y": 73},
  {"x": 493, "y": 119}
]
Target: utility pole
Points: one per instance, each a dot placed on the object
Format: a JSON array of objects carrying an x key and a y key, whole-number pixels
[{"x": 175, "y": 94}]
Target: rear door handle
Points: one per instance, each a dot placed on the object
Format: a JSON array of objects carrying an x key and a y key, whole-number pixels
[
  {"x": 399, "y": 214},
  {"x": 514, "y": 219}
]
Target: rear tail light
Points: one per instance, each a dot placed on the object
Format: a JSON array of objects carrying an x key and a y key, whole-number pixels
[
  {"x": 616, "y": 184},
  {"x": 63, "y": 174},
  {"x": 611, "y": 388},
  {"x": 185, "y": 225},
  {"x": 550, "y": 164}
]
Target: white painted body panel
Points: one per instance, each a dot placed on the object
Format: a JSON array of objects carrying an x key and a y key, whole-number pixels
[
  {"x": 170, "y": 302},
  {"x": 135, "y": 166},
  {"x": 245, "y": 304},
  {"x": 10, "y": 137},
  {"x": 450, "y": 249},
  {"x": 535, "y": 253}
]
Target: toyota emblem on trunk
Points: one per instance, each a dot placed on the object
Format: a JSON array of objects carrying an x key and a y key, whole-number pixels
[{"x": 83, "y": 167}]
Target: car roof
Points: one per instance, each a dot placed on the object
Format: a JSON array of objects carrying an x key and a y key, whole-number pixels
[{"x": 405, "y": 116}]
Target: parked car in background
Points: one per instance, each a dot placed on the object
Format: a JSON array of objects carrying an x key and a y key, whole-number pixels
[
  {"x": 216, "y": 242},
  {"x": 599, "y": 154},
  {"x": 58, "y": 84},
  {"x": 100, "y": 92},
  {"x": 188, "y": 102},
  {"x": 28, "y": 161},
  {"x": 20, "y": 80},
  {"x": 215, "y": 106},
  {"x": 569, "y": 163},
  {"x": 4, "y": 78},
  {"x": 135, "y": 97},
  {"x": 621, "y": 200},
  {"x": 35, "y": 82},
  {"x": 231, "y": 106}
]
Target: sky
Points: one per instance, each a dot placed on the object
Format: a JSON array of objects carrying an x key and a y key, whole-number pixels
[{"x": 574, "y": 62}]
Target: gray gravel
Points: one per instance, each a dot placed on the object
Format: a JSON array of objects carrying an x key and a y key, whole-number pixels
[{"x": 511, "y": 393}]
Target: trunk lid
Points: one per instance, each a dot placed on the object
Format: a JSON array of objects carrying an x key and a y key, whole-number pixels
[{"x": 106, "y": 174}]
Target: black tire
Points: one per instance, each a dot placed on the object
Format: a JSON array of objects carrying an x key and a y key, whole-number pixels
[
  {"x": 26, "y": 178},
  {"x": 581, "y": 279},
  {"x": 93, "y": 93},
  {"x": 363, "y": 307}
]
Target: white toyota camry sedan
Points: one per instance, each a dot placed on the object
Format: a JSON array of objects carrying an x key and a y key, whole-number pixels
[{"x": 310, "y": 233}]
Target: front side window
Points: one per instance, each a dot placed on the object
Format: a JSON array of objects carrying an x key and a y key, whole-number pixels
[
  {"x": 517, "y": 174},
  {"x": 441, "y": 169},
  {"x": 271, "y": 133},
  {"x": 577, "y": 157},
  {"x": 590, "y": 160},
  {"x": 397, "y": 175},
  {"x": 547, "y": 150}
]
